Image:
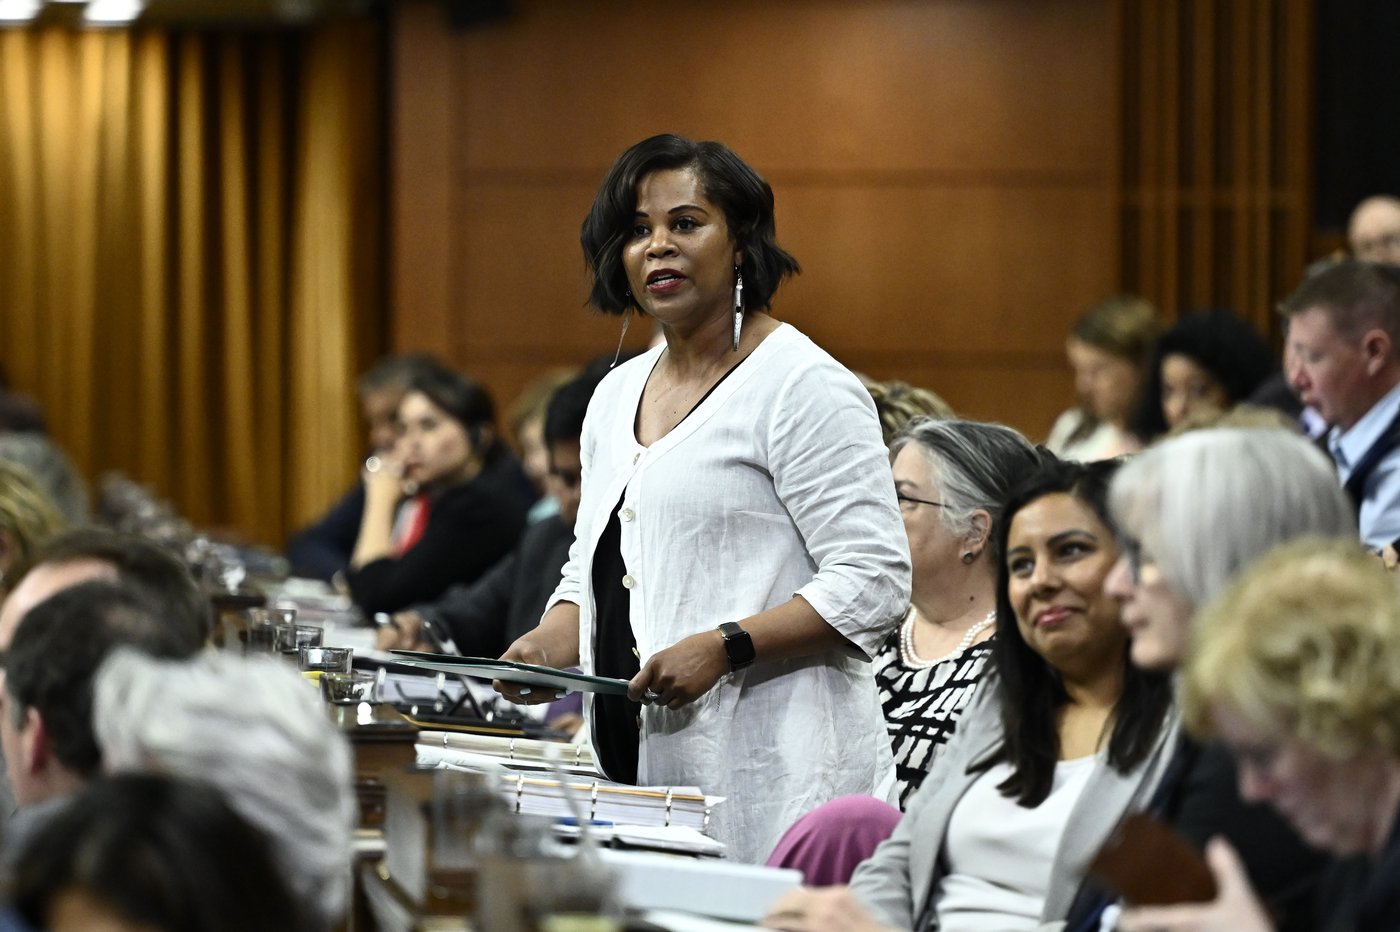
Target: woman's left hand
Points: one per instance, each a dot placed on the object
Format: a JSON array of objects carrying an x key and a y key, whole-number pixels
[
  {"x": 1235, "y": 908},
  {"x": 681, "y": 673}
]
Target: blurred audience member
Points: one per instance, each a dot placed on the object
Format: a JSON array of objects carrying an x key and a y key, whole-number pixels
[
  {"x": 525, "y": 421},
  {"x": 151, "y": 854},
  {"x": 46, "y": 703},
  {"x": 251, "y": 728},
  {"x": 483, "y": 617},
  {"x": 1344, "y": 337},
  {"x": 27, "y": 519},
  {"x": 98, "y": 554},
  {"x": 323, "y": 549},
  {"x": 1109, "y": 350},
  {"x": 54, "y": 470},
  {"x": 897, "y": 403},
  {"x": 444, "y": 506},
  {"x": 1193, "y": 512},
  {"x": 1206, "y": 362},
  {"x": 1374, "y": 230},
  {"x": 1294, "y": 668}
]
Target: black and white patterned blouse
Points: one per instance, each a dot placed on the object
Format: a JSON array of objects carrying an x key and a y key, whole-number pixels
[{"x": 922, "y": 704}]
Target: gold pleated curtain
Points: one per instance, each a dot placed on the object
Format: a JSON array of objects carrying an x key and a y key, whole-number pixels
[{"x": 190, "y": 257}]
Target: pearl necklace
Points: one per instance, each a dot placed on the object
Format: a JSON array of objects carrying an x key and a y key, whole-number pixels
[{"x": 906, "y": 641}]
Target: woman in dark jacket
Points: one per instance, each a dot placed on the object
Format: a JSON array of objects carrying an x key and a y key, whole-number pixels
[{"x": 441, "y": 508}]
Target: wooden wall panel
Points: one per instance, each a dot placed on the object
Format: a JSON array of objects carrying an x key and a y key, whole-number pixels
[
  {"x": 945, "y": 170},
  {"x": 1217, "y": 140}
]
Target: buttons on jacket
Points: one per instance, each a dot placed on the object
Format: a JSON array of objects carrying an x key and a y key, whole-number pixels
[
  {"x": 628, "y": 582},
  {"x": 627, "y": 514}
]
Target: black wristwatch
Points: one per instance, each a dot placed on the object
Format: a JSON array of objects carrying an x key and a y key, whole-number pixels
[{"x": 738, "y": 646}]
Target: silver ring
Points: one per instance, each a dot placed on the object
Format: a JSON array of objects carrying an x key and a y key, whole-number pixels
[
  {"x": 650, "y": 696},
  {"x": 373, "y": 464}
]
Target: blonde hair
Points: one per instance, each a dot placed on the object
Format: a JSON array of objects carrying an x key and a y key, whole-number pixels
[
  {"x": 1306, "y": 646},
  {"x": 897, "y": 403},
  {"x": 1124, "y": 325},
  {"x": 1243, "y": 414},
  {"x": 27, "y": 515}
]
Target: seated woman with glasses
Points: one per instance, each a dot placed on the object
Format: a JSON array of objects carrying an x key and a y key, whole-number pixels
[{"x": 950, "y": 478}]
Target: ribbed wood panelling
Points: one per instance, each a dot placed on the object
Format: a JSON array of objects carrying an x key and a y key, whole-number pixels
[{"x": 1216, "y": 142}]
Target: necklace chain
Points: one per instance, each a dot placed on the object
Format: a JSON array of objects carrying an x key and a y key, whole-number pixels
[{"x": 906, "y": 641}]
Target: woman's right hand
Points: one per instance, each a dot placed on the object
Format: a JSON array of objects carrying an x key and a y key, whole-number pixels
[
  {"x": 1236, "y": 908},
  {"x": 821, "y": 909},
  {"x": 553, "y": 643},
  {"x": 382, "y": 475},
  {"x": 525, "y": 650}
]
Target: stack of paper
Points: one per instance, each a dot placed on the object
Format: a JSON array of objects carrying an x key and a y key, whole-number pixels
[
  {"x": 605, "y": 801},
  {"x": 575, "y": 757}
]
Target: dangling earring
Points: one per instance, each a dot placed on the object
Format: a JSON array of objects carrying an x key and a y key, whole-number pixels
[
  {"x": 626, "y": 319},
  {"x": 738, "y": 304}
]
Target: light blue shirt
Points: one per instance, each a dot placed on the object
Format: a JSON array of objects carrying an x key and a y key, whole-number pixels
[{"x": 1380, "y": 500}]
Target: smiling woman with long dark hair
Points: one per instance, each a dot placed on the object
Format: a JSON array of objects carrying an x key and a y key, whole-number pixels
[
  {"x": 1064, "y": 738},
  {"x": 739, "y": 552}
]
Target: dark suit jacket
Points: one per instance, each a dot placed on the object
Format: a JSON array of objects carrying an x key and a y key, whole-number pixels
[{"x": 484, "y": 617}]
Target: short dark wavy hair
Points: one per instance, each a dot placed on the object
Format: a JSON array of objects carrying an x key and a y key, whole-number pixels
[{"x": 725, "y": 179}]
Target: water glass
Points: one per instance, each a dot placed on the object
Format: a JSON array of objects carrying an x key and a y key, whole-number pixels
[
  {"x": 325, "y": 659},
  {"x": 291, "y": 638}
]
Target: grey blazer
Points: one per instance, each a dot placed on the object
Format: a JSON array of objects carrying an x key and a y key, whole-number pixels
[{"x": 896, "y": 881}]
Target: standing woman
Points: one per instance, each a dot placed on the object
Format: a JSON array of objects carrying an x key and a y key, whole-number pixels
[
  {"x": 738, "y": 554},
  {"x": 444, "y": 505}
]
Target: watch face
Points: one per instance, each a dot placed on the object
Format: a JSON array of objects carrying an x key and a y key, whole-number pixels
[{"x": 738, "y": 645}]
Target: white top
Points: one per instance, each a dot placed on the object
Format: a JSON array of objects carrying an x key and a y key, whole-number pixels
[
  {"x": 1000, "y": 853},
  {"x": 777, "y": 484},
  {"x": 1104, "y": 442}
]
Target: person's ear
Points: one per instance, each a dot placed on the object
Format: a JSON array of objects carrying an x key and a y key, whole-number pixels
[
  {"x": 1377, "y": 349},
  {"x": 35, "y": 749},
  {"x": 979, "y": 532},
  {"x": 738, "y": 257}
]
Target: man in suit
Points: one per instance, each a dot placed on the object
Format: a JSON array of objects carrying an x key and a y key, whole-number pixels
[{"x": 1344, "y": 361}]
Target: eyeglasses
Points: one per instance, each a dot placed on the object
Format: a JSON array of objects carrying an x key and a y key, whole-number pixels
[
  {"x": 1131, "y": 549},
  {"x": 911, "y": 501}
]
